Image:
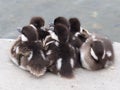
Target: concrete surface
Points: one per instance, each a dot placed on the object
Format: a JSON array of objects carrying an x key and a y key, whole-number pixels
[
  {"x": 98, "y": 16},
  {"x": 13, "y": 78}
]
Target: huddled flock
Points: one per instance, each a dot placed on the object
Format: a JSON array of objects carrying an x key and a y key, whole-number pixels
[{"x": 60, "y": 48}]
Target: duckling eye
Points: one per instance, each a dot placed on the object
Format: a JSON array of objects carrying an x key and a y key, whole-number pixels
[{"x": 84, "y": 31}]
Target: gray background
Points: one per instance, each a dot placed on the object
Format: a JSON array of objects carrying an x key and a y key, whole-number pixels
[{"x": 100, "y": 16}]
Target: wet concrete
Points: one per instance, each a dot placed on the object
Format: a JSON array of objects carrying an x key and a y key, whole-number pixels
[{"x": 98, "y": 16}]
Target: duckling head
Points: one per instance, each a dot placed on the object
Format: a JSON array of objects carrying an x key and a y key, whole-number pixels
[
  {"x": 83, "y": 34},
  {"x": 61, "y": 20},
  {"x": 74, "y": 25},
  {"x": 38, "y": 22},
  {"x": 62, "y": 32},
  {"x": 29, "y": 33}
]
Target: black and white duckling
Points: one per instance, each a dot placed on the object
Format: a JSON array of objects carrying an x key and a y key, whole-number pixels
[
  {"x": 27, "y": 52},
  {"x": 39, "y": 23},
  {"x": 96, "y": 53},
  {"x": 73, "y": 40},
  {"x": 77, "y": 30},
  {"x": 65, "y": 62},
  {"x": 20, "y": 40}
]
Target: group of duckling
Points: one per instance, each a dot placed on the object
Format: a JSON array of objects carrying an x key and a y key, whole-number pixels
[{"x": 60, "y": 48}]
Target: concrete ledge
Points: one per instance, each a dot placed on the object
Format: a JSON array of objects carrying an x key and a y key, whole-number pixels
[{"x": 13, "y": 78}]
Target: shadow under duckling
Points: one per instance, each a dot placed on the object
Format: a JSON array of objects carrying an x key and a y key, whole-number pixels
[
  {"x": 28, "y": 53},
  {"x": 97, "y": 53}
]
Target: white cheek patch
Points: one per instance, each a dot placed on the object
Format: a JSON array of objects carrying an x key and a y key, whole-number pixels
[
  {"x": 103, "y": 55},
  {"x": 33, "y": 26},
  {"x": 53, "y": 35},
  {"x": 24, "y": 38},
  {"x": 42, "y": 54},
  {"x": 72, "y": 62},
  {"x": 49, "y": 52},
  {"x": 17, "y": 50},
  {"x": 30, "y": 56},
  {"x": 59, "y": 64},
  {"x": 93, "y": 54},
  {"x": 57, "y": 44},
  {"x": 49, "y": 43},
  {"x": 109, "y": 53},
  {"x": 45, "y": 40},
  {"x": 76, "y": 34}
]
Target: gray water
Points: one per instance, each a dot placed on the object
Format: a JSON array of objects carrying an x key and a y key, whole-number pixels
[{"x": 99, "y": 16}]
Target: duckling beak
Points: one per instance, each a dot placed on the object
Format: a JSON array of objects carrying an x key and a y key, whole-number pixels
[{"x": 19, "y": 29}]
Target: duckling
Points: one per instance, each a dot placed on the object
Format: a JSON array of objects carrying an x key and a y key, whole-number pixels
[
  {"x": 66, "y": 58},
  {"x": 77, "y": 30},
  {"x": 52, "y": 52},
  {"x": 39, "y": 22},
  {"x": 28, "y": 53},
  {"x": 73, "y": 40},
  {"x": 21, "y": 39},
  {"x": 97, "y": 53}
]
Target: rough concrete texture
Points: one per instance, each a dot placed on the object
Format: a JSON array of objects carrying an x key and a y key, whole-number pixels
[
  {"x": 13, "y": 78},
  {"x": 98, "y": 16}
]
